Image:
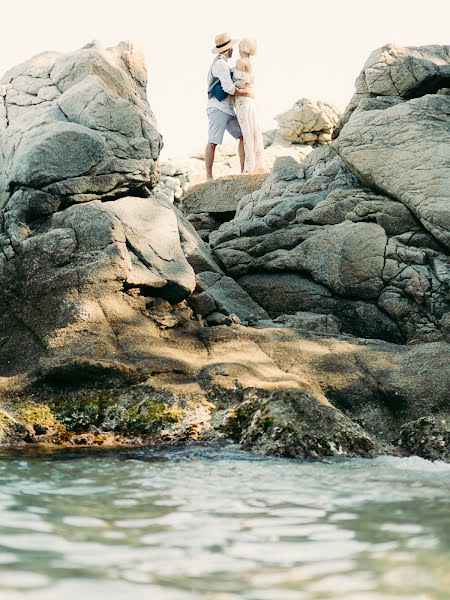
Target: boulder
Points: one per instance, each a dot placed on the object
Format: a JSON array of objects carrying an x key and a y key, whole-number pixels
[
  {"x": 224, "y": 295},
  {"x": 280, "y": 293},
  {"x": 294, "y": 425},
  {"x": 308, "y": 122},
  {"x": 391, "y": 72},
  {"x": 78, "y": 126},
  {"x": 427, "y": 437},
  {"x": 401, "y": 151}
]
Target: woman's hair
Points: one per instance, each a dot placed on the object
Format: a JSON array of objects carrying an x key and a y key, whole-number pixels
[{"x": 248, "y": 46}]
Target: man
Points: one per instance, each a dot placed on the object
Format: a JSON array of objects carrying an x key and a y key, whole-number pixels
[{"x": 221, "y": 113}]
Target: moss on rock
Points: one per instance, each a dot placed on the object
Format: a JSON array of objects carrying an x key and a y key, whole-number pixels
[
  {"x": 40, "y": 418},
  {"x": 12, "y": 431},
  {"x": 292, "y": 424},
  {"x": 428, "y": 437}
]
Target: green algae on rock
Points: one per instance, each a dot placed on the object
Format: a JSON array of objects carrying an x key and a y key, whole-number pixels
[
  {"x": 294, "y": 425},
  {"x": 428, "y": 437}
]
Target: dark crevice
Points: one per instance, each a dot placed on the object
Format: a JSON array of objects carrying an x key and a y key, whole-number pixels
[{"x": 430, "y": 85}]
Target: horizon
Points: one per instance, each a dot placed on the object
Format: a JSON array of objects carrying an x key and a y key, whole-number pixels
[{"x": 321, "y": 62}]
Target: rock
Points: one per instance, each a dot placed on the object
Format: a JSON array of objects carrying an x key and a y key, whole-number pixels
[
  {"x": 428, "y": 437},
  {"x": 308, "y": 122},
  {"x": 279, "y": 293},
  {"x": 225, "y": 294},
  {"x": 393, "y": 72},
  {"x": 218, "y": 318},
  {"x": 221, "y": 195},
  {"x": 152, "y": 237},
  {"x": 197, "y": 253},
  {"x": 311, "y": 322},
  {"x": 348, "y": 258},
  {"x": 77, "y": 268},
  {"x": 283, "y": 295},
  {"x": 217, "y": 200},
  {"x": 203, "y": 303},
  {"x": 75, "y": 134},
  {"x": 293, "y": 425},
  {"x": 405, "y": 167}
]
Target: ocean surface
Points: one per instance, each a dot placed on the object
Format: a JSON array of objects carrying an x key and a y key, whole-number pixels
[{"x": 221, "y": 524}]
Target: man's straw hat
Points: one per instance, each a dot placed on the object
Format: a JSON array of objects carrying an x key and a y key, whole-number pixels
[{"x": 223, "y": 43}]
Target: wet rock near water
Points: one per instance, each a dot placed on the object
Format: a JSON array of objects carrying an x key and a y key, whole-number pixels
[
  {"x": 294, "y": 425},
  {"x": 428, "y": 437}
]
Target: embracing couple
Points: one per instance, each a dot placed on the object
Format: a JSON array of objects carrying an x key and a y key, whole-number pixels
[{"x": 231, "y": 104}]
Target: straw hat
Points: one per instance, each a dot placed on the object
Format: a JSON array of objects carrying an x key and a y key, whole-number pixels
[{"x": 223, "y": 43}]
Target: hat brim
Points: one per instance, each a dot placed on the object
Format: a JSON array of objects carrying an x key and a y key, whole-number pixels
[{"x": 230, "y": 44}]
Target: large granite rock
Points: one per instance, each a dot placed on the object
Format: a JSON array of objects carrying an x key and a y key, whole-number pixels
[
  {"x": 77, "y": 126},
  {"x": 377, "y": 144},
  {"x": 84, "y": 243},
  {"x": 395, "y": 72},
  {"x": 366, "y": 217}
]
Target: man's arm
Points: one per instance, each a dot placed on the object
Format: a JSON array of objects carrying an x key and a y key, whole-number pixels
[
  {"x": 244, "y": 92},
  {"x": 222, "y": 71}
]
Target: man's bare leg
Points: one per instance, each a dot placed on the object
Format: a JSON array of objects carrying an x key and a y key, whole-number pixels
[
  {"x": 209, "y": 160},
  {"x": 241, "y": 153}
]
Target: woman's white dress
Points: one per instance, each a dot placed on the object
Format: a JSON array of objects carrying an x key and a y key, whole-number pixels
[{"x": 244, "y": 107}]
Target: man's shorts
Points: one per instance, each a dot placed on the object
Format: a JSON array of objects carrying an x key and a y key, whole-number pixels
[{"x": 219, "y": 121}]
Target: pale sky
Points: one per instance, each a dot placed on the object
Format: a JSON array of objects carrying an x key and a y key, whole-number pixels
[{"x": 306, "y": 48}]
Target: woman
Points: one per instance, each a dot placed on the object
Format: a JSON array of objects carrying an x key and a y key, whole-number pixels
[{"x": 244, "y": 107}]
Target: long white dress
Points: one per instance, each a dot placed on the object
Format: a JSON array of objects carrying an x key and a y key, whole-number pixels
[{"x": 244, "y": 107}]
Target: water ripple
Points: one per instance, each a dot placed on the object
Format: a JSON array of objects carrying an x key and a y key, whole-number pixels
[{"x": 183, "y": 523}]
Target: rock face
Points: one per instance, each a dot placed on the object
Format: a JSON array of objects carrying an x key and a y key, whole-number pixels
[
  {"x": 77, "y": 127},
  {"x": 391, "y": 72},
  {"x": 362, "y": 226},
  {"x": 83, "y": 242}
]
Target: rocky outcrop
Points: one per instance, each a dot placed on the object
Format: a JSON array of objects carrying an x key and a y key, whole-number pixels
[
  {"x": 362, "y": 226},
  {"x": 274, "y": 390},
  {"x": 118, "y": 325},
  {"x": 76, "y": 127},
  {"x": 391, "y": 72},
  {"x": 83, "y": 241}
]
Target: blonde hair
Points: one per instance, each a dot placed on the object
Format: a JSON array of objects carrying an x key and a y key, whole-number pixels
[{"x": 248, "y": 46}]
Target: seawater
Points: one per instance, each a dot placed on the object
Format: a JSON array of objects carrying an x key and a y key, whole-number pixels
[{"x": 221, "y": 524}]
